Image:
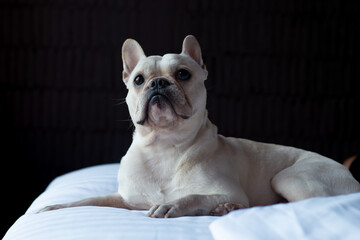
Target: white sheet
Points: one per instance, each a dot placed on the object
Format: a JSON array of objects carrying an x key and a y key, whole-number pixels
[
  {"x": 98, "y": 223},
  {"x": 318, "y": 218}
]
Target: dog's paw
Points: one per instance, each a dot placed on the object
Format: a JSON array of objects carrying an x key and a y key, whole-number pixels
[
  {"x": 225, "y": 208},
  {"x": 51, "y": 208},
  {"x": 165, "y": 211}
]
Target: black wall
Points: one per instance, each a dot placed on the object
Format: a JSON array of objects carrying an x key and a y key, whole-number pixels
[{"x": 285, "y": 72}]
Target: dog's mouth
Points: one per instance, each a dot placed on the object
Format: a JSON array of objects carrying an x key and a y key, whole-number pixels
[{"x": 161, "y": 101}]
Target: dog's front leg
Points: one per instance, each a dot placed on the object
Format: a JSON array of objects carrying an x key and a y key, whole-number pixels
[
  {"x": 194, "y": 205},
  {"x": 112, "y": 200}
]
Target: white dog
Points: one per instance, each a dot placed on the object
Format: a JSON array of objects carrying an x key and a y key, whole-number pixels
[{"x": 177, "y": 163}]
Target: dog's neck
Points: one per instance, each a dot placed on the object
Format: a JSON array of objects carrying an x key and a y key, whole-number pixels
[{"x": 179, "y": 136}]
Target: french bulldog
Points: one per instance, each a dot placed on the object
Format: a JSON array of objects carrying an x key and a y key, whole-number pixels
[{"x": 178, "y": 164}]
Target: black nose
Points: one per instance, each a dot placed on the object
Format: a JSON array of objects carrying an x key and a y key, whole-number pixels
[{"x": 159, "y": 83}]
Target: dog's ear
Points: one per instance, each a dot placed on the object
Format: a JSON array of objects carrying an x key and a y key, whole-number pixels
[
  {"x": 191, "y": 47},
  {"x": 131, "y": 55}
]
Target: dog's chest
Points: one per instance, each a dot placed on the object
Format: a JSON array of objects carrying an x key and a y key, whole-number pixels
[{"x": 147, "y": 185}]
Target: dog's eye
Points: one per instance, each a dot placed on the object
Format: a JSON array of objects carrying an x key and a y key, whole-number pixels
[
  {"x": 139, "y": 79},
  {"x": 183, "y": 74}
]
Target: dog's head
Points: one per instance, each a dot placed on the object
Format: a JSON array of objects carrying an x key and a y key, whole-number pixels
[{"x": 164, "y": 91}]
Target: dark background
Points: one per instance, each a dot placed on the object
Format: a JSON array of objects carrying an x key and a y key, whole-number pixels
[{"x": 285, "y": 72}]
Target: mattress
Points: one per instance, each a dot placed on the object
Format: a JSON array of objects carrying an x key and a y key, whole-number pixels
[{"x": 317, "y": 218}]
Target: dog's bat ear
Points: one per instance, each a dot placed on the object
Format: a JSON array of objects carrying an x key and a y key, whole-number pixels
[
  {"x": 131, "y": 55},
  {"x": 191, "y": 47}
]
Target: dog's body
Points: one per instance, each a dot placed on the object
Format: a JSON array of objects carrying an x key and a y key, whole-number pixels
[{"x": 178, "y": 164}]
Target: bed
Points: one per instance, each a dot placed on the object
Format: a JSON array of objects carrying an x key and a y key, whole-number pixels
[{"x": 318, "y": 218}]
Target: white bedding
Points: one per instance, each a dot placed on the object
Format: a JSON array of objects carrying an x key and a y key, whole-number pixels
[
  {"x": 100, "y": 223},
  {"x": 336, "y": 218},
  {"x": 318, "y": 218}
]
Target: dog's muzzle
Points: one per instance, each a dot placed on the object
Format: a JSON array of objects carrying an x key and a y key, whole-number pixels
[{"x": 160, "y": 95}]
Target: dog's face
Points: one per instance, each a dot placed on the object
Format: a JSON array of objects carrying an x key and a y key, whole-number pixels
[{"x": 164, "y": 91}]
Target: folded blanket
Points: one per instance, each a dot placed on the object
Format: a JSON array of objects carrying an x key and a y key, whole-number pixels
[{"x": 317, "y": 218}]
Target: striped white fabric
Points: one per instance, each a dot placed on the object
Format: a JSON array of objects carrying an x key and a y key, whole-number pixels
[
  {"x": 98, "y": 222},
  {"x": 318, "y": 218},
  {"x": 330, "y": 218},
  {"x": 106, "y": 223}
]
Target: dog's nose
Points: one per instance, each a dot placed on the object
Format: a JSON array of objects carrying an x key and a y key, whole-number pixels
[{"x": 159, "y": 83}]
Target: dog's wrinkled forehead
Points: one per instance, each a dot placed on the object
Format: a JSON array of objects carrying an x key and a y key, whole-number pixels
[{"x": 167, "y": 65}]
